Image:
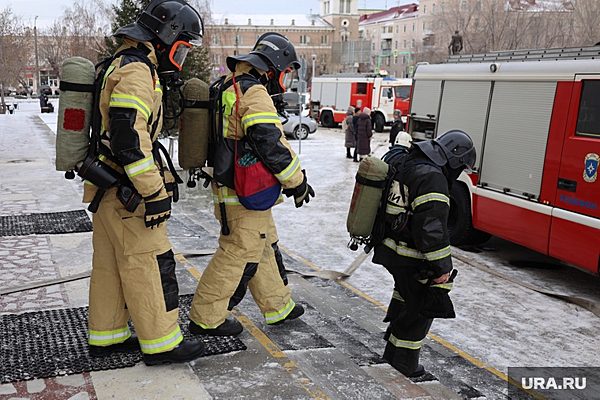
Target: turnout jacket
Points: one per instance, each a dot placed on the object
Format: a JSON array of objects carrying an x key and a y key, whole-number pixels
[
  {"x": 131, "y": 110},
  {"x": 424, "y": 242},
  {"x": 256, "y": 120}
]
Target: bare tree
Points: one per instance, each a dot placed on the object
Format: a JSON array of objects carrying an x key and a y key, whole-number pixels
[
  {"x": 13, "y": 39},
  {"x": 79, "y": 32}
]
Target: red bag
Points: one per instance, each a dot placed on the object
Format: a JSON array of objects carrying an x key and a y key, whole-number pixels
[{"x": 256, "y": 186}]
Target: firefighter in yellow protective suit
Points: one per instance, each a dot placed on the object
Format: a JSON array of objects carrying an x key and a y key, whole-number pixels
[
  {"x": 133, "y": 271},
  {"x": 248, "y": 256}
]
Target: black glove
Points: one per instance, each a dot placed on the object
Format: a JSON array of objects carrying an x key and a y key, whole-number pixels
[
  {"x": 157, "y": 211},
  {"x": 302, "y": 193}
]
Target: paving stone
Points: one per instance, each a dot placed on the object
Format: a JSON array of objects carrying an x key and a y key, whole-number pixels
[
  {"x": 71, "y": 380},
  {"x": 36, "y": 386},
  {"x": 7, "y": 388}
]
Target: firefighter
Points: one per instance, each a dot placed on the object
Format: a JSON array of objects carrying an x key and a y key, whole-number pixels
[
  {"x": 133, "y": 271},
  {"x": 248, "y": 256},
  {"x": 456, "y": 44},
  {"x": 416, "y": 246}
]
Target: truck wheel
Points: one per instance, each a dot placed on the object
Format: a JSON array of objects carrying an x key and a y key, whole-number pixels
[
  {"x": 460, "y": 223},
  {"x": 379, "y": 122},
  {"x": 301, "y": 132},
  {"x": 327, "y": 119}
]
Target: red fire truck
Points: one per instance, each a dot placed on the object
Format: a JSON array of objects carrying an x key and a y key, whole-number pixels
[
  {"x": 331, "y": 95},
  {"x": 536, "y": 128}
]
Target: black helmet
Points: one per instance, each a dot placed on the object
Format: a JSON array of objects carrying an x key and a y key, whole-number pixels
[
  {"x": 271, "y": 51},
  {"x": 167, "y": 21},
  {"x": 454, "y": 148}
]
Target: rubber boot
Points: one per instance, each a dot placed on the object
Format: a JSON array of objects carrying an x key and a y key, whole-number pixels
[
  {"x": 404, "y": 360},
  {"x": 229, "y": 327},
  {"x": 297, "y": 311},
  {"x": 187, "y": 350},
  {"x": 348, "y": 155},
  {"x": 128, "y": 346}
]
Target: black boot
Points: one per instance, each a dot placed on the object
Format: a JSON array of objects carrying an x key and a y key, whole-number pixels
[
  {"x": 404, "y": 360},
  {"x": 128, "y": 346},
  {"x": 348, "y": 155},
  {"x": 229, "y": 327},
  {"x": 296, "y": 312},
  {"x": 187, "y": 350}
]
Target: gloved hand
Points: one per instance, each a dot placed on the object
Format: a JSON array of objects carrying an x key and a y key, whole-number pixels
[
  {"x": 158, "y": 210},
  {"x": 302, "y": 193}
]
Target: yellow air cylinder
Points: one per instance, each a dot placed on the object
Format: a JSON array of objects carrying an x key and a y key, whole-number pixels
[
  {"x": 74, "y": 112},
  {"x": 194, "y": 125}
]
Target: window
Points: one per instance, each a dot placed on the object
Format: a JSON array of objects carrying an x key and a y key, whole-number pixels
[
  {"x": 238, "y": 40},
  {"x": 324, "y": 39},
  {"x": 588, "y": 122},
  {"x": 402, "y": 92},
  {"x": 325, "y": 8},
  {"x": 424, "y": 9},
  {"x": 342, "y": 4},
  {"x": 348, "y": 10},
  {"x": 215, "y": 40},
  {"x": 361, "y": 88},
  {"x": 404, "y": 27},
  {"x": 304, "y": 39}
]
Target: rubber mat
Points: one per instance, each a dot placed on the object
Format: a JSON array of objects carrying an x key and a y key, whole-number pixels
[
  {"x": 51, "y": 343},
  {"x": 45, "y": 223}
]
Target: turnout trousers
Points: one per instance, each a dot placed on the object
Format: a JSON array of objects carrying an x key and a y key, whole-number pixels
[
  {"x": 133, "y": 275},
  {"x": 408, "y": 327},
  {"x": 247, "y": 258}
]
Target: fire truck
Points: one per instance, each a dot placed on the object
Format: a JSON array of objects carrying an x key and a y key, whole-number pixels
[
  {"x": 534, "y": 117},
  {"x": 331, "y": 95}
]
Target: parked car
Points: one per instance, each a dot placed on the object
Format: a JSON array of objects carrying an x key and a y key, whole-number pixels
[{"x": 296, "y": 128}]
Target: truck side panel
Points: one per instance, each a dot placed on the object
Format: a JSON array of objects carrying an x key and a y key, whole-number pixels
[
  {"x": 464, "y": 106},
  {"x": 515, "y": 142}
]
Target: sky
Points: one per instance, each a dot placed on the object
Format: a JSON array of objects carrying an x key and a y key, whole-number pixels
[{"x": 50, "y": 10}]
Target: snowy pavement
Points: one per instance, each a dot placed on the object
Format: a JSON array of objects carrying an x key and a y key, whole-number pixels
[{"x": 499, "y": 323}]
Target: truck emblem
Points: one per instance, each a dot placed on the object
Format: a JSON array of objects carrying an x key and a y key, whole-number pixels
[{"x": 590, "y": 173}]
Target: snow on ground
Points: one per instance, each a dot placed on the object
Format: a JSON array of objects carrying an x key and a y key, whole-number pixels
[{"x": 498, "y": 322}]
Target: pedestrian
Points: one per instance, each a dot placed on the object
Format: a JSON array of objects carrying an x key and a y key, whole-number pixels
[
  {"x": 364, "y": 132},
  {"x": 248, "y": 256},
  {"x": 133, "y": 266},
  {"x": 350, "y": 136},
  {"x": 397, "y": 126},
  {"x": 415, "y": 248}
]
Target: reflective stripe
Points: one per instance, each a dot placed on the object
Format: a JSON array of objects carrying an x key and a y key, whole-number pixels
[
  {"x": 228, "y": 98},
  {"x": 447, "y": 286},
  {"x": 259, "y": 118},
  {"x": 396, "y": 296},
  {"x": 88, "y": 183},
  {"x": 430, "y": 197},
  {"x": 162, "y": 344},
  {"x": 227, "y": 199},
  {"x": 129, "y": 101},
  {"x": 109, "y": 71},
  {"x": 405, "y": 344},
  {"x": 438, "y": 254},
  {"x": 204, "y": 326},
  {"x": 276, "y": 316},
  {"x": 139, "y": 167},
  {"x": 106, "y": 338},
  {"x": 289, "y": 170},
  {"x": 158, "y": 88},
  {"x": 394, "y": 209},
  {"x": 403, "y": 250}
]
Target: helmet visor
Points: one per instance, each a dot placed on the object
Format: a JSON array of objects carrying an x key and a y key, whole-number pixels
[
  {"x": 179, "y": 52},
  {"x": 286, "y": 78}
]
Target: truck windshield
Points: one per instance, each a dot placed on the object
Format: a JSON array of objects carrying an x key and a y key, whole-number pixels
[{"x": 402, "y": 92}]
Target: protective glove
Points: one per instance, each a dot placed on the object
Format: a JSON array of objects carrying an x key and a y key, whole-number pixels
[
  {"x": 158, "y": 210},
  {"x": 302, "y": 193}
]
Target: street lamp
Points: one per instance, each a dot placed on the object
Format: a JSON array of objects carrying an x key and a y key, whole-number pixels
[
  {"x": 37, "y": 61},
  {"x": 314, "y": 58}
]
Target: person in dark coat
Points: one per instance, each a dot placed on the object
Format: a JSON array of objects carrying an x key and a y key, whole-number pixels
[
  {"x": 348, "y": 128},
  {"x": 397, "y": 126},
  {"x": 364, "y": 132}
]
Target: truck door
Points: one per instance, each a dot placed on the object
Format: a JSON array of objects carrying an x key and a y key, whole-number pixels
[
  {"x": 402, "y": 102},
  {"x": 386, "y": 102},
  {"x": 575, "y": 231}
]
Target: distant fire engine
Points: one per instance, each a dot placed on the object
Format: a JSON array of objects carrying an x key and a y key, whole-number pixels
[
  {"x": 331, "y": 95},
  {"x": 536, "y": 128}
]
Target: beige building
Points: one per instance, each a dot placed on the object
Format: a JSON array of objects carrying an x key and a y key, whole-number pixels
[
  {"x": 328, "y": 41},
  {"x": 396, "y": 37}
]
